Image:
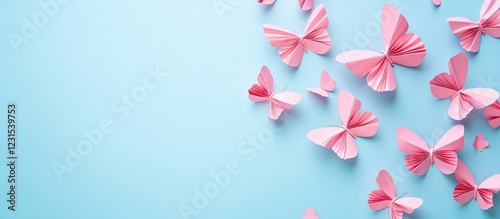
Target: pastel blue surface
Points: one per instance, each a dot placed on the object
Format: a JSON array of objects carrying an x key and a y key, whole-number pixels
[{"x": 73, "y": 73}]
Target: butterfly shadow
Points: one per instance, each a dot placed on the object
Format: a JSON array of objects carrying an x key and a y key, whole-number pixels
[
  {"x": 323, "y": 100},
  {"x": 388, "y": 96},
  {"x": 494, "y": 212},
  {"x": 267, "y": 8},
  {"x": 329, "y": 156}
]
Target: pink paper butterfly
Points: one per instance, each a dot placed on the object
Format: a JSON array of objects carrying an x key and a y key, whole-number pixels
[
  {"x": 421, "y": 156},
  {"x": 437, "y": 2},
  {"x": 400, "y": 48},
  {"x": 386, "y": 197},
  {"x": 310, "y": 214},
  {"x": 327, "y": 84},
  {"x": 292, "y": 46},
  {"x": 492, "y": 113},
  {"x": 452, "y": 86},
  {"x": 480, "y": 143},
  {"x": 303, "y": 4},
  {"x": 470, "y": 32},
  {"x": 354, "y": 124},
  {"x": 467, "y": 189},
  {"x": 264, "y": 92}
]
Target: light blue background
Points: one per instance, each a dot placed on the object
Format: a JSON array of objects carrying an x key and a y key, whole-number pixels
[{"x": 92, "y": 52}]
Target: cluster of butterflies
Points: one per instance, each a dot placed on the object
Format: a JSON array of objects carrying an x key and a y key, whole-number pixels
[{"x": 400, "y": 48}]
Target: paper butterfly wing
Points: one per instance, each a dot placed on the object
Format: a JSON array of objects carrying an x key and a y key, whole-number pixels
[
  {"x": 266, "y": 2},
  {"x": 408, "y": 204},
  {"x": 310, "y": 214},
  {"x": 468, "y": 31},
  {"x": 465, "y": 189},
  {"x": 260, "y": 92},
  {"x": 316, "y": 38},
  {"x": 480, "y": 97},
  {"x": 364, "y": 124},
  {"x": 326, "y": 82},
  {"x": 436, "y": 2},
  {"x": 491, "y": 26},
  {"x": 380, "y": 199},
  {"x": 418, "y": 159},
  {"x": 485, "y": 191},
  {"x": 361, "y": 62},
  {"x": 290, "y": 48},
  {"x": 318, "y": 91},
  {"x": 492, "y": 113},
  {"x": 445, "y": 156},
  {"x": 281, "y": 101},
  {"x": 404, "y": 49},
  {"x": 335, "y": 138},
  {"x": 488, "y": 9},
  {"x": 306, "y": 4}
]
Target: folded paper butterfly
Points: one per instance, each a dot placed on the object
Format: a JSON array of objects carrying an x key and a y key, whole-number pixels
[
  {"x": 437, "y": 2},
  {"x": 326, "y": 84},
  {"x": 480, "y": 143},
  {"x": 354, "y": 124},
  {"x": 400, "y": 48},
  {"x": 386, "y": 198},
  {"x": 492, "y": 113},
  {"x": 452, "y": 86},
  {"x": 467, "y": 189},
  {"x": 264, "y": 92},
  {"x": 310, "y": 214},
  {"x": 303, "y": 4},
  {"x": 292, "y": 46},
  {"x": 470, "y": 32},
  {"x": 421, "y": 156}
]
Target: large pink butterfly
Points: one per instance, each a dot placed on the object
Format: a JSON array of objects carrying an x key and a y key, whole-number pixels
[
  {"x": 310, "y": 214},
  {"x": 327, "y": 84},
  {"x": 467, "y": 189},
  {"x": 264, "y": 92},
  {"x": 303, "y": 4},
  {"x": 386, "y": 197},
  {"x": 400, "y": 48},
  {"x": 421, "y": 156},
  {"x": 292, "y": 46},
  {"x": 470, "y": 32},
  {"x": 452, "y": 86},
  {"x": 354, "y": 124},
  {"x": 492, "y": 113}
]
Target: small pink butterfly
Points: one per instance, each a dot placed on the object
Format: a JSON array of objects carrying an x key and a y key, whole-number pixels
[
  {"x": 292, "y": 46},
  {"x": 386, "y": 197},
  {"x": 264, "y": 92},
  {"x": 452, "y": 86},
  {"x": 310, "y": 214},
  {"x": 354, "y": 124},
  {"x": 421, "y": 156},
  {"x": 303, "y": 4},
  {"x": 327, "y": 84},
  {"x": 467, "y": 189},
  {"x": 400, "y": 48},
  {"x": 492, "y": 113},
  {"x": 480, "y": 143},
  {"x": 437, "y": 2},
  {"x": 470, "y": 32}
]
